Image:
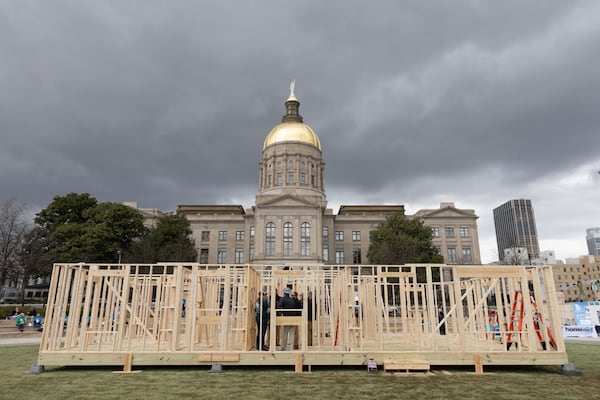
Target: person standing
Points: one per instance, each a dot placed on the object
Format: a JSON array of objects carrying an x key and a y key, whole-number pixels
[
  {"x": 288, "y": 335},
  {"x": 263, "y": 311}
]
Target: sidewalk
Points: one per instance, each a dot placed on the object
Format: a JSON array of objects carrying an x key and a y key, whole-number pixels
[{"x": 20, "y": 341}]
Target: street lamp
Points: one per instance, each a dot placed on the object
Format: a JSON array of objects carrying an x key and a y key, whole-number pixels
[{"x": 119, "y": 254}]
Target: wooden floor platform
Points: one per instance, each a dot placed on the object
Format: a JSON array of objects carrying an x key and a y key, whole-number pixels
[{"x": 400, "y": 316}]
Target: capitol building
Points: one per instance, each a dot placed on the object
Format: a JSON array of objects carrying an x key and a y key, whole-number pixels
[{"x": 290, "y": 224}]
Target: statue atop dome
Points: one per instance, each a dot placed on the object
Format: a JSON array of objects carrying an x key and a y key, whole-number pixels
[{"x": 292, "y": 89}]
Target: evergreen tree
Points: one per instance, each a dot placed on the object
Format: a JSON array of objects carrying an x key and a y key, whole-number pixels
[
  {"x": 171, "y": 240},
  {"x": 76, "y": 228},
  {"x": 400, "y": 240}
]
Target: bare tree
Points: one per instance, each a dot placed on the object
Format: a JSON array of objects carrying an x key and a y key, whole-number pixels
[
  {"x": 516, "y": 255},
  {"x": 13, "y": 228}
]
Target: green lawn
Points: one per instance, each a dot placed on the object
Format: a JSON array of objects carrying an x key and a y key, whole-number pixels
[{"x": 281, "y": 383}]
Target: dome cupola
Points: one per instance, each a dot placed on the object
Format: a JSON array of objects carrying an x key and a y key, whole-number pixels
[{"x": 292, "y": 128}]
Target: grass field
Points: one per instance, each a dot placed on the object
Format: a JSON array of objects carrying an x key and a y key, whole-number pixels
[{"x": 281, "y": 383}]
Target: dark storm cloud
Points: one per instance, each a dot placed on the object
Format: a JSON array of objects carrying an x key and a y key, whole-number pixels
[{"x": 414, "y": 102}]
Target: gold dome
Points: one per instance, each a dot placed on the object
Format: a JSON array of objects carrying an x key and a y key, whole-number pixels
[{"x": 292, "y": 131}]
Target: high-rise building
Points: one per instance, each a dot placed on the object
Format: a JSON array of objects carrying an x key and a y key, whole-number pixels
[
  {"x": 290, "y": 222},
  {"x": 592, "y": 237},
  {"x": 515, "y": 228}
]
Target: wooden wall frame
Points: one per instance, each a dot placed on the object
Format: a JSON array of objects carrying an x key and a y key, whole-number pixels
[{"x": 100, "y": 314}]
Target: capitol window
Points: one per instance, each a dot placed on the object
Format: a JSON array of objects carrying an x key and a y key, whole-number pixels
[
  {"x": 239, "y": 256},
  {"x": 305, "y": 239},
  {"x": 287, "y": 239},
  {"x": 356, "y": 256},
  {"x": 466, "y": 253},
  {"x": 451, "y": 254},
  {"x": 270, "y": 239},
  {"x": 222, "y": 256},
  {"x": 203, "y": 256},
  {"x": 339, "y": 256}
]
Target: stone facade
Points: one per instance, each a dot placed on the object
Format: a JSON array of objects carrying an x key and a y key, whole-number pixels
[
  {"x": 151, "y": 215},
  {"x": 455, "y": 233}
]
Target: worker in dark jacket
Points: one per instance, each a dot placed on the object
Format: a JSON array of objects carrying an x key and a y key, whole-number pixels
[{"x": 287, "y": 303}]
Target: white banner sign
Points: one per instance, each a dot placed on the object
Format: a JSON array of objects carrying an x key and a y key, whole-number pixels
[{"x": 579, "y": 331}]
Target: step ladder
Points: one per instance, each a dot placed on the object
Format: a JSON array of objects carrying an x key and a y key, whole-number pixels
[{"x": 516, "y": 317}]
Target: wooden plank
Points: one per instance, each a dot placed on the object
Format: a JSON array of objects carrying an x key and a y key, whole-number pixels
[
  {"x": 128, "y": 362},
  {"x": 406, "y": 366},
  {"x": 396, "y": 274},
  {"x": 487, "y": 271},
  {"x": 289, "y": 273},
  {"x": 109, "y": 272},
  {"x": 289, "y": 358},
  {"x": 209, "y": 320},
  {"x": 219, "y": 357},
  {"x": 287, "y": 320},
  {"x": 478, "y": 364}
]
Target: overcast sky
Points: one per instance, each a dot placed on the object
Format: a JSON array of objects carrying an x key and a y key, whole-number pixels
[{"x": 415, "y": 103}]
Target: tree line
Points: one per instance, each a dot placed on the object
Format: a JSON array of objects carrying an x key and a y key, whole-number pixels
[{"x": 76, "y": 227}]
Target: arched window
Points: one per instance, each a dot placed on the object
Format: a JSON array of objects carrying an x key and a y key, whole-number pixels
[
  {"x": 305, "y": 239},
  {"x": 270, "y": 239},
  {"x": 288, "y": 237}
]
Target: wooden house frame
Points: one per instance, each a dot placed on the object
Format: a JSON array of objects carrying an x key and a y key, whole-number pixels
[{"x": 408, "y": 315}]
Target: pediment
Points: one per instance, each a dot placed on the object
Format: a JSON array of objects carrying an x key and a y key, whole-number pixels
[
  {"x": 447, "y": 212},
  {"x": 287, "y": 200}
]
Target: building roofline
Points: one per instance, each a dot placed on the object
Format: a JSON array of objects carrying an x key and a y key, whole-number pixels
[
  {"x": 371, "y": 209},
  {"x": 210, "y": 209}
]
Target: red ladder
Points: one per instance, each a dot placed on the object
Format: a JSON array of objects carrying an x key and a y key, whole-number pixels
[
  {"x": 538, "y": 319},
  {"x": 517, "y": 307}
]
